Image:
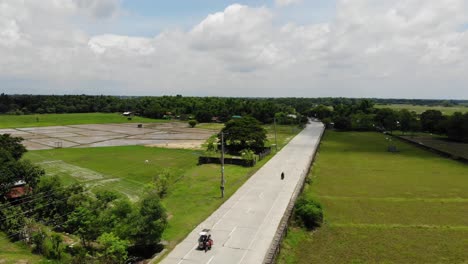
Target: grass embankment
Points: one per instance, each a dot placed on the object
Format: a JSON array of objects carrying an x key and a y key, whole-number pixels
[
  {"x": 41, "y": 120},
  {"x": 381, "y": 207},
  {"x": 11, "y": 253},
  {"x": 446, "y": 110},
  {"x": 194, "y": 190}
]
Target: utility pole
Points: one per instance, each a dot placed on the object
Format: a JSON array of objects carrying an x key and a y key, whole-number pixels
[
  {"x": 276, "y": 141},
  {"x": 222, "y": 165}
]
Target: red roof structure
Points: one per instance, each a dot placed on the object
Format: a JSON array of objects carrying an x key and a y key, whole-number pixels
[{"x": 17, "y": 192}]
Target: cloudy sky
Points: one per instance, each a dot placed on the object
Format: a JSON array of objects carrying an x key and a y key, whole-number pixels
[{"x": 274, "y": 48}]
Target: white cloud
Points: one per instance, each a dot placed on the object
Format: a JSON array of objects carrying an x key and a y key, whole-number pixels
[
  {"x": 402, "y": 48},
  {"x": 112, "y": 43},
  {"x": 286, "y": 2},
  {"x": 98, "y": 8}
]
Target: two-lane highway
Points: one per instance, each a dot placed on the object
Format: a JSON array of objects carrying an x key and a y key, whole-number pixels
[{"x": 243, "y": 228}]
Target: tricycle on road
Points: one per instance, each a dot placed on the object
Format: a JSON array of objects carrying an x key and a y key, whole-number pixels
[{"x": 204, "y": 241}]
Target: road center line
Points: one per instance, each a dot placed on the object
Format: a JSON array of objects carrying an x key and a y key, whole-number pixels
[{"x": 209, "y": 261}]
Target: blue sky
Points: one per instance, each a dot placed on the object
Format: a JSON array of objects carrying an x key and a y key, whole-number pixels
[{"x": 149, "y": 17}]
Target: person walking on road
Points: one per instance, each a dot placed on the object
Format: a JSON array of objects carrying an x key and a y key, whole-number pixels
[{"x": 282, "y": 175}]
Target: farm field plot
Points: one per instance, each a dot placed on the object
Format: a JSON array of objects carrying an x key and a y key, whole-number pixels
[
  {"x": 457, "y": 149},
  {"x": 421, "y": 108},
  {"x": 42, "y": 120},
  {"x": 167, "y": 134},
  {"x": 381, "y": 207}
]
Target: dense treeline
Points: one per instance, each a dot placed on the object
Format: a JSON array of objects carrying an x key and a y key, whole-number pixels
[
  {"x": 346, "y": 113},
  {"x": 362, "y": 116},
  {"x": 105, "y": 227},
  {"x": 425, "y": 102},
  {"x": 201, "y": 108}
]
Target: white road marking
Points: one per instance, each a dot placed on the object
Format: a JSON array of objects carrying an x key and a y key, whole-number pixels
[
  {"x": 232, "y": 231},
  {"x": 256, "y": 233},
  {"x": 209, "y": 261},
  {"x": 183, "y": 258}
]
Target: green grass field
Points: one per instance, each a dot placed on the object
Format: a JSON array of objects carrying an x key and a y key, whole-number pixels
[
  {"x": 421, "y": 108},
  {"x": 18, "y": 121},
  {"x": 381, "y": 207},
  {"x": 11, "y": 253}
]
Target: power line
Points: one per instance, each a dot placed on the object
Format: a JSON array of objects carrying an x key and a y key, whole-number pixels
[
  {"x": 37, "y": 208},
  {"x": 49, "y": 222}
]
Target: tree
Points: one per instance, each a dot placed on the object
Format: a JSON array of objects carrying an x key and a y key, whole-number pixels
[
  {"x": 321, "y": 112},
  {"x": 431, "y": 120},
  {"x": 457, "y": 127},
  {"x": 114, "y": 249},
  {"x": 12, "y": 145},
  {"x": 362, "y": 122},
  {"x": 82, "y": 222},
  {"x": 342, "y": 122},
  {"x": 147, "y": 225},
  {"x": 366, "y": 106},
  {"x": 386, "y": 118},
  {"x": 154, "y": 111},
  {"x": 12, "y": 169},
  {"x": 13, "y": 221},
  {"x": 244, "y": 133},
  {"x": 408, "y": 120}
]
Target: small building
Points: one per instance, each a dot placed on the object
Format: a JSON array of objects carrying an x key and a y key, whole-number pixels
[
  {"x": 18, "y": 190},
  {"x": 168, "y": 116}
]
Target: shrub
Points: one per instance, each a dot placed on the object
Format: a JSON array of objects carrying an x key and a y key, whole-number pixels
[
  {"x": 161, "y": 184},
  {"x": 38, "y": 239},
  {"x": 308, "y": 212},
  {"x": 192, "y": 123}
]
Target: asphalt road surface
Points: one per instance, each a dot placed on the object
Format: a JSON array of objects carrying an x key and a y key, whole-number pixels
[{"x": 244, "y": 226}]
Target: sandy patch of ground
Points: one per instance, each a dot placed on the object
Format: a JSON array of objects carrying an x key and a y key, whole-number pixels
[{"x": 192, "y": 144}]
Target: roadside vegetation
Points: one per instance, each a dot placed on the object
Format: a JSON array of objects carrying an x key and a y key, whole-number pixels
[{"x": 382, "y": 207}]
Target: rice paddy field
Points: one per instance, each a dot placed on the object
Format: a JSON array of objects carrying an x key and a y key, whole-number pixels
[
  {"x": 421, "y": 108},
  {"x": 382, "y": 207}
]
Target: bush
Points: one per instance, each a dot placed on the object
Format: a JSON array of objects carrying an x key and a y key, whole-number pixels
[
  {"x": 114, "y": 250},
  {"x": 161, "y": 184},
  {"x": 38, "y": 239},
  {"x": 192, "y": 123},
  {"x": 308, "y": 212}
]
